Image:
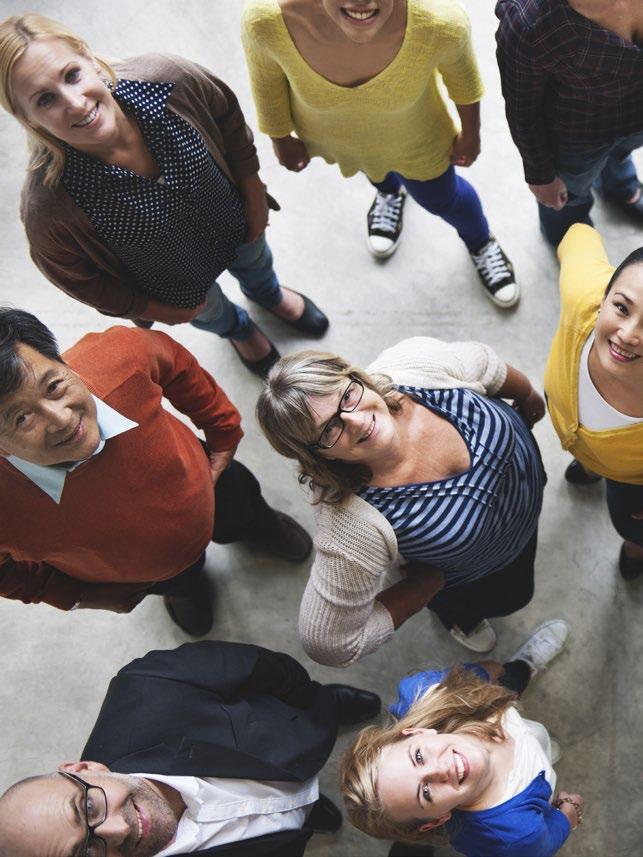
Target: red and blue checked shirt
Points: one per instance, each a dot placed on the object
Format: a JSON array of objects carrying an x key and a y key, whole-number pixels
[{"x": 566, "y": 80}]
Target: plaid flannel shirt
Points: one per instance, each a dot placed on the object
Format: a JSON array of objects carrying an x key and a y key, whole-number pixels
[{"x": 567, "y": 82}]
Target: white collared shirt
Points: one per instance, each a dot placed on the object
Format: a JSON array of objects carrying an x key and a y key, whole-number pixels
[
  {"x": 221, "y": 810},
  {"x": 51, "y": 478}
]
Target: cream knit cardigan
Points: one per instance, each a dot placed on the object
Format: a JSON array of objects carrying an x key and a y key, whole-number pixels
[{"x": 356, "y": 549}]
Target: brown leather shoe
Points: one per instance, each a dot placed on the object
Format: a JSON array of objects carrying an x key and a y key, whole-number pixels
[
  {"x": 192, "y": 612},
  {"x": 287, "y": 540}
]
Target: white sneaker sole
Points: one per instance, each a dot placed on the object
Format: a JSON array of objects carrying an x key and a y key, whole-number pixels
[
  {"x": 499, "y": 302},
  {"x": 382, "y": 254}
]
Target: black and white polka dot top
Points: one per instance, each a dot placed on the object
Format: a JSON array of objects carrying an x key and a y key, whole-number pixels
[{"x": 174, "y": 235}]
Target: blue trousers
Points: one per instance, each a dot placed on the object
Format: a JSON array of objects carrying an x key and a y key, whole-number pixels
[
  {"x": 608, "y": 167},
  {"x": 450, "y": 197},
  {"x": 253, "y": 268},
  {"x": 622, "y": 500}
]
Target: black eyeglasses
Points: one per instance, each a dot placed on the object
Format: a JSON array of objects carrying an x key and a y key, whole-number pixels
[
  {"x": 95, "y": 813},
  {"x": 333, "y": 428}
]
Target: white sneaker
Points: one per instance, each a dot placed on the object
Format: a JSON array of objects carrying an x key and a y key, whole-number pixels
[
  {"x": 556, "y": 752},
  {"x": 384, "y": 223},
  {"x": 481, "y": 639},
  {"x": 496, "y": 273},
  {"x": 547, "y": 641}
]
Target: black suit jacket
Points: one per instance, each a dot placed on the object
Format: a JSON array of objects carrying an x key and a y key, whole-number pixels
[{"x": 214, "y": 709}]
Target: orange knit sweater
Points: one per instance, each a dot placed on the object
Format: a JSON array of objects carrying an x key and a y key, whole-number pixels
[{"x": 143, "y": 508}]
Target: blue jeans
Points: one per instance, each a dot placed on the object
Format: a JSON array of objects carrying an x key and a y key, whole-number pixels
[
  {"x": 622, "y": 500},
  {"x": 608, "y": 167},
  {"x": 450, "y": 197},
  {"x": 258, "y": 281}
]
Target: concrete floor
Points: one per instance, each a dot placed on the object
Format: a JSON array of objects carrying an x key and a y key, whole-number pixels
[{"x": 56, "y": 667}]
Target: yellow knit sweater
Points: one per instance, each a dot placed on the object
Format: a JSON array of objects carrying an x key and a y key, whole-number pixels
[
  {"x": 584, "y": 273},
  {"x": 397, "y": 120}
]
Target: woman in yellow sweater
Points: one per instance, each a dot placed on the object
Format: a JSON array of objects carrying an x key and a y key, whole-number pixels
[
  {"x": 358, "y": 82},
  {"x": 594, "y": 380}
]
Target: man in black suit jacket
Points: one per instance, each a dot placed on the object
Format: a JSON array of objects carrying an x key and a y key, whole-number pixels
[{"x": 216, "y": 745}]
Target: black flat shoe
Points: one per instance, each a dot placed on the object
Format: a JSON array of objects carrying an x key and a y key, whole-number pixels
[
  {"x": 287, "y": 539},
  {"x": 577, "y": 475},
  {"x": 259, "y": 367},
  {"x": 192, "y": 612},
  {"x": 312, "y": 321},
  {"x": 633, "y": 210},
  {"x": 630, "y": 568},
  {"x": 354, "y": 705},
  {"x": 324, "y": 817}
]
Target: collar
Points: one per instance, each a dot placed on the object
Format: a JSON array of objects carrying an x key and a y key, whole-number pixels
[{"x": 51, "y": 478}]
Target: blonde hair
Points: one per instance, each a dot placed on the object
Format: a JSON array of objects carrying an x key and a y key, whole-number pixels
[
  {"x": 16, "y": 33},
  {"x": 461, "y": 703},
  {"x": 285, "y": 416}
]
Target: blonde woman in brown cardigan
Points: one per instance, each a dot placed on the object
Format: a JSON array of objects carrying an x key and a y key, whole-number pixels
[{"x": 143, "y": 187}]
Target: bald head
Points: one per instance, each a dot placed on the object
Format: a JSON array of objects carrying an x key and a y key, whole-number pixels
[{"x": 12, "y": 818}]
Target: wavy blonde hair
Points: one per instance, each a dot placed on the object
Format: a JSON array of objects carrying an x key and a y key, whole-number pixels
[
  {"x": 285, "y": 416},
  {"x": 461, "y": 703},
  {"x": 16, "y": 33}
]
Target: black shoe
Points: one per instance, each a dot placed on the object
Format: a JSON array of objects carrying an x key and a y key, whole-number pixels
[
  {"x": 634, "y": 210},
  {"x": 496, "y": 274},
  {"x": 324, "y": 817},
  {"x": 384, "y": 223},
  {"x": 259, "y": 367},
  {"x": 192, "y": 612},
  {"x": 577, "y": 475},
  {"x": 287, "y": 539},
  {"x": 630, "y": 568},
  {"x": 354, "y": 705},
  {"x": 312, "y": 321}
]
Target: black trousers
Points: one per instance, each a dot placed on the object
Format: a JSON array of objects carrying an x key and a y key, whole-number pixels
[
  {"x": 498, "y": 594},
  {"x": 241, "y": 513}
]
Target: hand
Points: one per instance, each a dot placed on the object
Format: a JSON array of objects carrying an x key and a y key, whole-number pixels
[
  {"x": 170, "y": 314},
  {"x": 465, "y": 149},
  {"x": 255, "y": 205},
  {"x": 532, "y": 407},
  {"x": 291, "y": 153},
  {"x": 220, "y": 461},
  {"x": 117, "y": 597},
  {"x": 638, "y": 516},
  {"x": 573, "y": 815},
  {"x": 553, "y": 195}
]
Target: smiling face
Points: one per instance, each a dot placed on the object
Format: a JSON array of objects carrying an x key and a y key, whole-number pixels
[
  {"x": 619, "y": 328},
  {"x": 369, "y": 430},
  {"x": 360, "y": 20},
  {"x": 60, "y": 91},
  {"x": 45, "y": 817},
  {"x": 51, "y": 418},
  {"x": 427, "y": 775}
]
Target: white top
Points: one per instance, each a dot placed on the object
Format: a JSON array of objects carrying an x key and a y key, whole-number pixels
[
  {"x": 593, "y": 411},
  {"x": 222, "y": 810},
  {"x": 51, "y": 478},
  {"x": 532, "y": 753}
]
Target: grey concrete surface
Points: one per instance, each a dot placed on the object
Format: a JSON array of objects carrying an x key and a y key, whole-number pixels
[{"x": 55, "y": 666}]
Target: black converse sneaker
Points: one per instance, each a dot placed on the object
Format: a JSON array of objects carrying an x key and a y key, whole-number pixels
[
  {"x": 497, "y": 273},
  {"x": 384, "y": 220}
]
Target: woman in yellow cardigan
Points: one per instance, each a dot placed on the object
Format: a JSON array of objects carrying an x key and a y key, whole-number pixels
[
  {"x": 594, "y": 380},
  {"x": 358, "y": 82}
]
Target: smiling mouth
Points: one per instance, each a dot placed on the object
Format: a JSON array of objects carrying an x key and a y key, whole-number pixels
[
  {"x": 461, "y": 767},
  {"x": 73, "y": 436},
  {"x": 369, "y": 431},
  {"x": 89, "y": 118},
  {"x": 360, "y": 16},
  {"x": 621, "y": 353}
]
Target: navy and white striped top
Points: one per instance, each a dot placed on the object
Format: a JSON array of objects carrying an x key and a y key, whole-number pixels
[
  {"x": 479, "y": 521},
  {"x": 174, "y": 235}
]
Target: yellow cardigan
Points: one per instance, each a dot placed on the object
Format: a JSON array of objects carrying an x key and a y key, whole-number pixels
[
  {"x": 397, "y": 120},
  {"x": 584, "y": 273}
]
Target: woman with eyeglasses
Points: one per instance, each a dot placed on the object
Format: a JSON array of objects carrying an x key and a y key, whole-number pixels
[
  {"x": 143, "y": 187},
  {"x": 417, "y": 459}
]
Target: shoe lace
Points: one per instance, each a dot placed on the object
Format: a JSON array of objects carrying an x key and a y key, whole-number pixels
[
  {"x": 491, "y": 264},
  {"x": 386, "y": 213}
]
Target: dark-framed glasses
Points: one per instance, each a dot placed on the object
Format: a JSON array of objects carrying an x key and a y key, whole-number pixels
[
  {"x": 94, "y": 808},
  {"x": 333, "y": 428}
]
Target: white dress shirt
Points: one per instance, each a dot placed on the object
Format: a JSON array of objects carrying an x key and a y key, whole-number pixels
[
  {"x": 51, "y": 478},
  {"x": 221, "y": 810}
]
